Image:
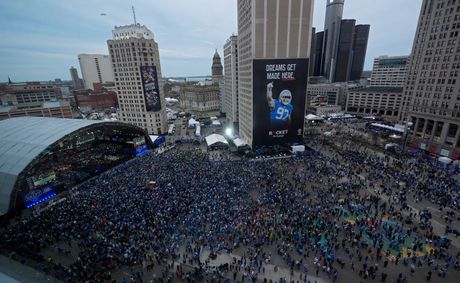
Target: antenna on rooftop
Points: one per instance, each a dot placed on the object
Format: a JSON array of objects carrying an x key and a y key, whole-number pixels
[{"x": 134, "y": 15}]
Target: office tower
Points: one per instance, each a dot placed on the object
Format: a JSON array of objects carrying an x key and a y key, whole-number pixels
[
  {"x": 136, "y": 65},
  {"x": 76, "y": 81},
  {"x": 389, "y": 71},
  {"x": 216, "y": 68},
  {"x": 311, "y": 69},
  {"x": 231, "y": 79},
  {"x": 334, "y": 11},
  {"x": 318, "y": 59},
  {"x": 432, "y": 89},
  {"x": 361, "y": 37},
  {"x": 95, "y": 68},
  {"x": 345, "y": 51},
  {"x": 270, "y": 30},
  {"x": 340, "y": 50}
]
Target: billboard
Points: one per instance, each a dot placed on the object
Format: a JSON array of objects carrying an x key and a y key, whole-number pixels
[
  {"x": 151, "y": 88},
  {"x": 279, "y": 93}
]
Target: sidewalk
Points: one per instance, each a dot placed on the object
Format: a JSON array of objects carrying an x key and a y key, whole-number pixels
[{"x": 18, "y": 272}]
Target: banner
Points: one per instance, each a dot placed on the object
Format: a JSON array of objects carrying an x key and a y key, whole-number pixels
[
  {"x": 151, "y": 88},
  {"x": 279, "y": 93}
]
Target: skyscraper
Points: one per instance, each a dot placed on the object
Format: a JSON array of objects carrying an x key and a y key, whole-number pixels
[
  {"x": 216, "y": 68},
  {"x": 359, "y": 51},
  {"x": 76, "y": 81},
  {"x": 268, "y": 30},
  {"x": 317, "y": 60},
  {"x": 340, "y": 50},
  {"x": 344, "y": 51},
  {"x": 432, "y": 91},
  {"x": 95, "y": 68},
  {"x": 136, "y": 65},
  {"x": 311, "y": 69},
  {"x": 231, "y": 79},
  {"x": 334, "y": 11}
]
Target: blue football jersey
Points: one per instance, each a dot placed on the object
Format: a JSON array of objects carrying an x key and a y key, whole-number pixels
[{"x": 280, "y": 113}]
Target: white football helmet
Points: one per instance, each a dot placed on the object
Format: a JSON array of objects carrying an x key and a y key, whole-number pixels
[{"x": 285, "y": 97}]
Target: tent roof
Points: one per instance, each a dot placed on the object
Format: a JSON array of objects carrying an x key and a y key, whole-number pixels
[
  {"x": 215, "y": 138},
  {"x": 239, "y": 142},
  {"x": 313, "y": 117}
]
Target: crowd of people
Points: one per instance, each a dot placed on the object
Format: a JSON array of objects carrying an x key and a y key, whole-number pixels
[{"x": 338, "y": 214}]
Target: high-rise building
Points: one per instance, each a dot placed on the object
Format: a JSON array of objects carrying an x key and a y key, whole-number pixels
[
  {"x": 317, "y": 59},
  {"x": 76, "y": 81},
  {"x": 332, "y": 23},
  {"x": 340, "y": 50},
  {"x": 389, "y": 71},
  {"x": 136, "y": 65},
  {"x": 216, "y": 68},
  {"x": 345, "y": 51},
  {"x": 311, "y": 69},
  {"x": 231, "y": 79},
  {"x": 268, "y": 30},
  {"x": 95, "y": 68},
  {"x": 432, "y": 89},
  {"x": 360, "y": 39}
]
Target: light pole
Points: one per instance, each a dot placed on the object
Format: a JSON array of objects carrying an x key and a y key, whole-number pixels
[{"x": 406, "y": 131}]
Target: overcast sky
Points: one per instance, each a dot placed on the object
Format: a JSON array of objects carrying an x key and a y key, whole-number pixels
[{"x": 40, "y": 39}]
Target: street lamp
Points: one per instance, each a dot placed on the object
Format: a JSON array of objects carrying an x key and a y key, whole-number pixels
[{"x": 406, "y": 130}]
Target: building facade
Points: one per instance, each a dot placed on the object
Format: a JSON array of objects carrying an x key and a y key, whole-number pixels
[
  {"x": 33, "y": 99},
  {"x": 375, "y": 101},
  {"x": 231, "y": 79},
  {"x": 136, "y": 62},
  {"x": 432, "y": 89},
  {"x": 61, "y": 109},
  {"x": 95, "y": 68},
  {"x": 332, "y": 25},
  {"x": 76, "y": 81},
  {"x": 326, "y": 94},
  {"x": 345, "y": 51},
  {"x": 268, "y": 30},
  {"x": 200, "y": 97},
  {"x": 360, "y": 39},
  {"x": 95, "y": 101},
  {"x": 216, "y": 68},
  {"x": 389, "y": 71}
]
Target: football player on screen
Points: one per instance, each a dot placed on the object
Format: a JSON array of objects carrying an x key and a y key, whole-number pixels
[{"x": 281, "y": 109}]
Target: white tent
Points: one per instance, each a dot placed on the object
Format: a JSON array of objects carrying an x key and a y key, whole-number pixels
[
  {"x": 297, "y": 148},
  {"x": 153, "y": 138},
  {"x": 311, "y": 117},
  {"x": 192, "y": 122},
  {"x": 239, "y": 142},
  {"x": 214, "y": 139},
  {"x": 445, "y": 160}
]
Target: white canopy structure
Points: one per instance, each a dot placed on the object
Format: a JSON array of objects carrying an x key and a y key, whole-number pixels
[
  {"x": 239, "y": 142},
  {"x": 216, "y": 139},
  {"x": 297, "y": 148},
  {"x": 445, "y": 160},
  {"x": 192, "y": 122},
  {"x": 312, "y": 117}
]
